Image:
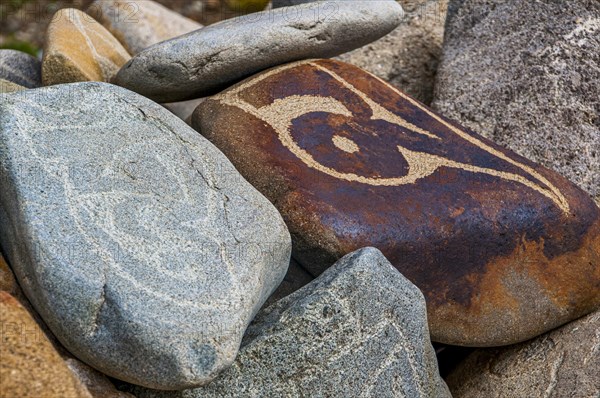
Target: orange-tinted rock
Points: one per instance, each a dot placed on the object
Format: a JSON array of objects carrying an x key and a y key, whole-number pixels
[
  {"x": 30, "y": 367},
  {"x": 79, "y": 49},
  {"x": 502, "y": 248}
]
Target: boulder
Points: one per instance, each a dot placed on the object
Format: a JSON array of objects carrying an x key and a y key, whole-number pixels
[{"x": 20, "y": 68}]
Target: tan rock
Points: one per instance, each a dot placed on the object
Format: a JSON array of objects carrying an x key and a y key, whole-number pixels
[
  {"x": 80, "y": 49},
  {"x": 408, "y": 56},
  {"x": 9, "y": 87},
  {"x": 138, "y": 24},
  {"x": 560, "y": 364},
  {"x": 30, "y": 366}
]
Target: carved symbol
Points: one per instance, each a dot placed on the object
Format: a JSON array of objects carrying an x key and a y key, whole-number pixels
[{"x": 282, "y": 112}]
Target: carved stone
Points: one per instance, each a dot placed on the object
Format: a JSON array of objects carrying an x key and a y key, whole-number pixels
[{"x": 502, "y": 248}]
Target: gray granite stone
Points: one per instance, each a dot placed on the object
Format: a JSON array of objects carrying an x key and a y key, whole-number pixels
[
  {"x": 134, "y": 238},
  {"x": 526, "y": 74},
  {"x": 210, "y": 59},
  {"x": 20, "y": 68},
  {"x": 359, "y": 330}
]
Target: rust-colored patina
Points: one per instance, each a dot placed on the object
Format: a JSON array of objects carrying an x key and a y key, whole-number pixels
[{"x": 502, "y": 248}]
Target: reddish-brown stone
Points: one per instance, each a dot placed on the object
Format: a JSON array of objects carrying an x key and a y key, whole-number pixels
[{"x": 502, "y": 248}]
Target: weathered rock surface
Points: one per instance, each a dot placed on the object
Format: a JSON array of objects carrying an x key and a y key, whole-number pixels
[
  {"x": 29, "y": 366},
  {"x": 360, "y": 329},
  {"x": 526, "y": 83},
  {"x": 134, "y": 238},
  {"x": 210, "y": 59},
  {"x": 138, "y": 24},
  {"x": 79, "y": 49},
  {"x": 561, "y": 364},
  {"x": 408, "y": 56},
  {"x": 20, "y": 68},
  {"x": 502, "y": 248},
  {"x": 7, "y": 87},
  {"x": 96, "y": 383}
]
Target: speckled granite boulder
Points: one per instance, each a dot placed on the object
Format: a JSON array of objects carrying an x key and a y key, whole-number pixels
[
  {"x": 20, "y": 68},
  {"x": 503, "y": 248},
  {"x": 564, "y": 363},
  {"x": 29, "y": 366},
  {"x": 134, "y": 238},
  {"x": 138, "y": 24},
  {"x": 79, "y": 49},
  {"x": 359, "y": 330},
  {"x": 210, "y": 59},
  {"x": 526, "y": 74}
]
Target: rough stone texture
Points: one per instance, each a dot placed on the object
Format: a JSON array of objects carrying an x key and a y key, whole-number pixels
[
  {"x": 96, "y": 383},
  {"x": 184, "y": 109},
  {"x": 561, "y": 364},
  {"x": 138, "y": 24},
  {"x": 134, "y": 238},
  {"x": 20, "y": 68},
  {"x": 408, "y": 56},
  {"x": 526, "y": 74},
  {"x": 359, "y": 330},
  {"x": 30, "y": 367},
  {"x": 7, "y": 87},
  {"x": 79, "y": 49},
  {"x": 295, "y": 278},
  {"x": 502, "y": 248},
  {"x": 208, "y": 60}
]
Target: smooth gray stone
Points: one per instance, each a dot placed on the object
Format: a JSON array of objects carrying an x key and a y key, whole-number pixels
[
  {"x": 136, "y": 240},
  {"x": 359, "y": 330},
  {"x": 208, "y": 60},
  {"x": 20, "y": 68}
]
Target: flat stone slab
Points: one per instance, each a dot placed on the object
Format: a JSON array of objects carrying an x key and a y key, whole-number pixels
[
  {"x": 20, "y": 68},
  {"x": 208, "y": 60},
  {"x": 502, "y": 248},
  {"x": 134, "y": 238},
  {"x": 359, "y": 330},
  {"x": 138, "y": 24}
]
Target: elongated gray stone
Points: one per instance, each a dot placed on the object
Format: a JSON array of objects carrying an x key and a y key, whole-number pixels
[
  {"x": 20, "y": 68},
  {"x": 359, "y": 330},
  {"x": 135, "y": 239},
  {"x": 205, "y": 61}
]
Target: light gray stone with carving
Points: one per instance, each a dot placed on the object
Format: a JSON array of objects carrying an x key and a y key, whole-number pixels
[
  {"x": 136, "y": 240},
  {"x": 359, "y": 330},
  {"x": 564, "y": 363},
  {"x": 210, "y": 59}
]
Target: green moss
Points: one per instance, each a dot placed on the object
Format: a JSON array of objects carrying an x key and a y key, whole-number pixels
[{"x": 13, "y": 44}]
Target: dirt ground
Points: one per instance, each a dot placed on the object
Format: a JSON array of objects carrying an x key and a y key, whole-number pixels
[{"x": 23, "y": 22}]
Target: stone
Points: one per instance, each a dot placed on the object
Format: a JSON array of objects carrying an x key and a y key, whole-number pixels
[
  {"x": 79, "y": 49},
  {"x": 502, "y": 248},
  {"x": 208, "y": 60},
  {"x": 408, "y": 56},
  {"x": 20, "y": 68},
  {"x": 296, "y": 278},
  {"x": 563, "y": 363},
  {"x": 138, "y": 24},
  {"x": 30, "y": 366},
  {"x": 360, "y": 329},
  {"x": 134, "y": 238},
  {"x": 96, "y": 383},
  {"x": 527, "y": 84},
  {"x": 184, "y": 109},
  {"x": 7, "y": 87}
]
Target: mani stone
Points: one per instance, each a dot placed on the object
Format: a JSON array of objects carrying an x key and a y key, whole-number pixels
[
  {"x": 502, "y": 248},
  {"x": 210, "y": 59},
  {"x": 20, "y": 68},
  {"x": 138, "y": 24},
  {"x": 135, "y": 239},
  {"x": 564, "y": 363},
  {"x": 30, "y": 367},
  {"x": 526, "y": 83},
  {"x": 359, "y": 330},
  {"x": 79, "y": 49}
]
